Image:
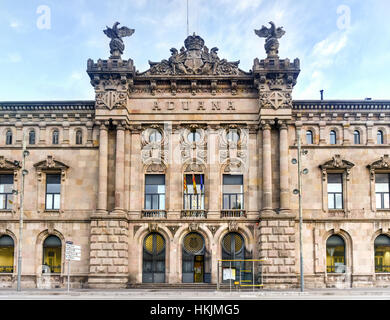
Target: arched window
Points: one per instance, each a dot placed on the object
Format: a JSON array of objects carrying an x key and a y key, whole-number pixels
[
  {"x": 6, "y": 254},
  {"x": 233, "y": 135},
  {"x": 333, "y": 137},
  {"x": 379, "y": 137},
  {"x": 56, "y": 136},
  {"x": 8, "y": 137},
  {"x": 196, "y": 265},
  {"x": 79, "y": 137},
  {"x": 194, "y": 136},
  {"x": 309, "y": 137},
  {"x": 52, "y": 255},
  {"x": 335, "y": 254},
  {"x": 155, "y": 136},
  {"x": 153, "y": 267},
  {"x": 356, "y": 137},
  {"x": 31, "y": 137},
  {"x": 382, "y": 253}
]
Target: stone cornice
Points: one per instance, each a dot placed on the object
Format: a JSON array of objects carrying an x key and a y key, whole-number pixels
[
  {"x": 48, "y": 105},
  {"x": 341, "y": 105}
]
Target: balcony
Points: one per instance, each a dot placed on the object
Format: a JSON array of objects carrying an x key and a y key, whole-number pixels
[
  {"x": 194, "y": 214},
  {"x": 157, "y": 214},
  {"x": 233, "y": 213}
]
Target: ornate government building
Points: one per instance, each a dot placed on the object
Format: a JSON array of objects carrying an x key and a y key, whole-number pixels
[{"x": 190, "y": 162}]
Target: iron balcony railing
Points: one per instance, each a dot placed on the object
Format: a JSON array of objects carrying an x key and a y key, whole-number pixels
[
  {"x": 154, "y": 213},
  {"x": 190, "y": 213},
  {"x": 233, "y": 213}
]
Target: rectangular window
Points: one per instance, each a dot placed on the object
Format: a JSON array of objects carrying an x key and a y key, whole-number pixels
[
  {"x": 155, "y": 192},
  {"x": 233, "y": 192},
  {"x": 53, "y": 191},
  {"x": 382, "y": 194},
  {"x": 194, "y": 196},
  {"x": 6, "y": 196},
  {"x": 335, "y": 190}
]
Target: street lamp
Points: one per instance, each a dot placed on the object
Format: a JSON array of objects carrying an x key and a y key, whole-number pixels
[
  {"x": 24, "y": 173},
  {"x": 299, "y": 193}
]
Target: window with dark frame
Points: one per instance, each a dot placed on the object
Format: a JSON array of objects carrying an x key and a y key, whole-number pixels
[
  {"x": 333, "y": 137},
  {"x": 56, "y": 135},
  {"x": 382, "y": 190},
  {"x": 53, "y": 191},
  {"x": 379, "y": 137},
  {"x": 309, "y": 137},
  {"x": 335, "y": 191},
  {"x": 79, "y": 137},
  {"x": 194, "y": 199},
  {"x": 155, "y": 192},
  {"x": 356, "y": 137},
  {"x": 194, "y": 136},
  {"x": 31, "y": 137},
  {"x": 6, "y": 186},
  {"x": 155, "y": 136},
  {"x": 8, "y": 137},
  {"x": 382, "y": 253},
  {"x": 233, "y": 192}
]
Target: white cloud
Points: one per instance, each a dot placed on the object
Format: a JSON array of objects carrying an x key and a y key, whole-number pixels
[{"x": 15, "y": 24}]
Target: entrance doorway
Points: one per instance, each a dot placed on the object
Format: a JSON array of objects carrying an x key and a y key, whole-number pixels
[
  {"x": 195, "y": 260},
  {"x": 153, "y": 270}
]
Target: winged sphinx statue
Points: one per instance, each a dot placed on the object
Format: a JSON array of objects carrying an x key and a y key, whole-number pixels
[
  {"x": 116, "y": 34},
  {"x": 272, "y": 35}
]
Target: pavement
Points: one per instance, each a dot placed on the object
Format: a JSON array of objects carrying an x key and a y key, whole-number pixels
[{"x": 190, "y": 295}]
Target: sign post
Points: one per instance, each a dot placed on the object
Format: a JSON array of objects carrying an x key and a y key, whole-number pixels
[{"x": 72, "y": 252}]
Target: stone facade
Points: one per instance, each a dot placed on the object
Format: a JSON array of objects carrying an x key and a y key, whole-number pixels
[{"x": 102, "y": 194}]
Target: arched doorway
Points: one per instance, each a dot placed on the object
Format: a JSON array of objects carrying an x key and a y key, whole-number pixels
[
  {"x": 153, "y": 267},
  {"x": 196, "y": 264},
  {"x": 233, "y": 250},
  {"x": 52, "y": 255},
  {"x": 6, "y": 254}
]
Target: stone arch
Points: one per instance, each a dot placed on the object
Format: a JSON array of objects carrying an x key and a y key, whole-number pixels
[
  {"x": 249, "y": 240},
  {"x": 9, "y": 233},
  {"x": 362, "y": 135},
  {"x": 316, "y": 134},
  {"x": 384, "y": 132},
  {"x": 139, "y": 238},
  {"x": 60, "y": 134},
  {"x": 339, "y": 138},
  {"x": 41, "y": 237},
  {"x": 348, "y": 246},
  {"x": 181, "y": 233}
]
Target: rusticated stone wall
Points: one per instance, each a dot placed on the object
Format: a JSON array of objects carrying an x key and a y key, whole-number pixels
[
  {"x": 109, "y": 253},
  {"x": 277, "y": 246}
]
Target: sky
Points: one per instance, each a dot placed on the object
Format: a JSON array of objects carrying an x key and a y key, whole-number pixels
[{"x": 343, "y": 46}]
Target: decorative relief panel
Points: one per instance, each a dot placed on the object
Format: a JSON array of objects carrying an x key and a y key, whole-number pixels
[
  {"x": 193, "y": 144},
  {"x": 154, "y": 144}
]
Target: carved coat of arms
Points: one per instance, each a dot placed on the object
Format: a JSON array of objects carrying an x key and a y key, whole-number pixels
[{"x": 195, "y": 58}]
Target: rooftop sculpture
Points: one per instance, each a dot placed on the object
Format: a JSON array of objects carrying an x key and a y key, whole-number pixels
[
  {"x": 116, "y": 44},
  {"x": 272, "y": 35}
]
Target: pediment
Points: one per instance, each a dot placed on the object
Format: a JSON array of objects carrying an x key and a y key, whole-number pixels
[
  {"x": 50, "y": 164},
  {"x": 337, "y": 163},
  {"x": 8, "y": 165},
  {"x": 382, "y": 163}
]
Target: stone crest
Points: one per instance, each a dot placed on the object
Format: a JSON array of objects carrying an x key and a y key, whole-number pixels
[{"x": 195, "y": 58}]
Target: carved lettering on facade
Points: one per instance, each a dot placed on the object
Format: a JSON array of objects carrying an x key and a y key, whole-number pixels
[{"x": 190, "y": 105}]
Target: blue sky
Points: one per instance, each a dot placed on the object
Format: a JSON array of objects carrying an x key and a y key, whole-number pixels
[{"x": 343, "y": 46}]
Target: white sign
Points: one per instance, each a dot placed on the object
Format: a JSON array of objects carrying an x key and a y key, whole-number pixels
[
  {"x": 229, "y": 274},
  {"x": 72, "y": 252}
]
